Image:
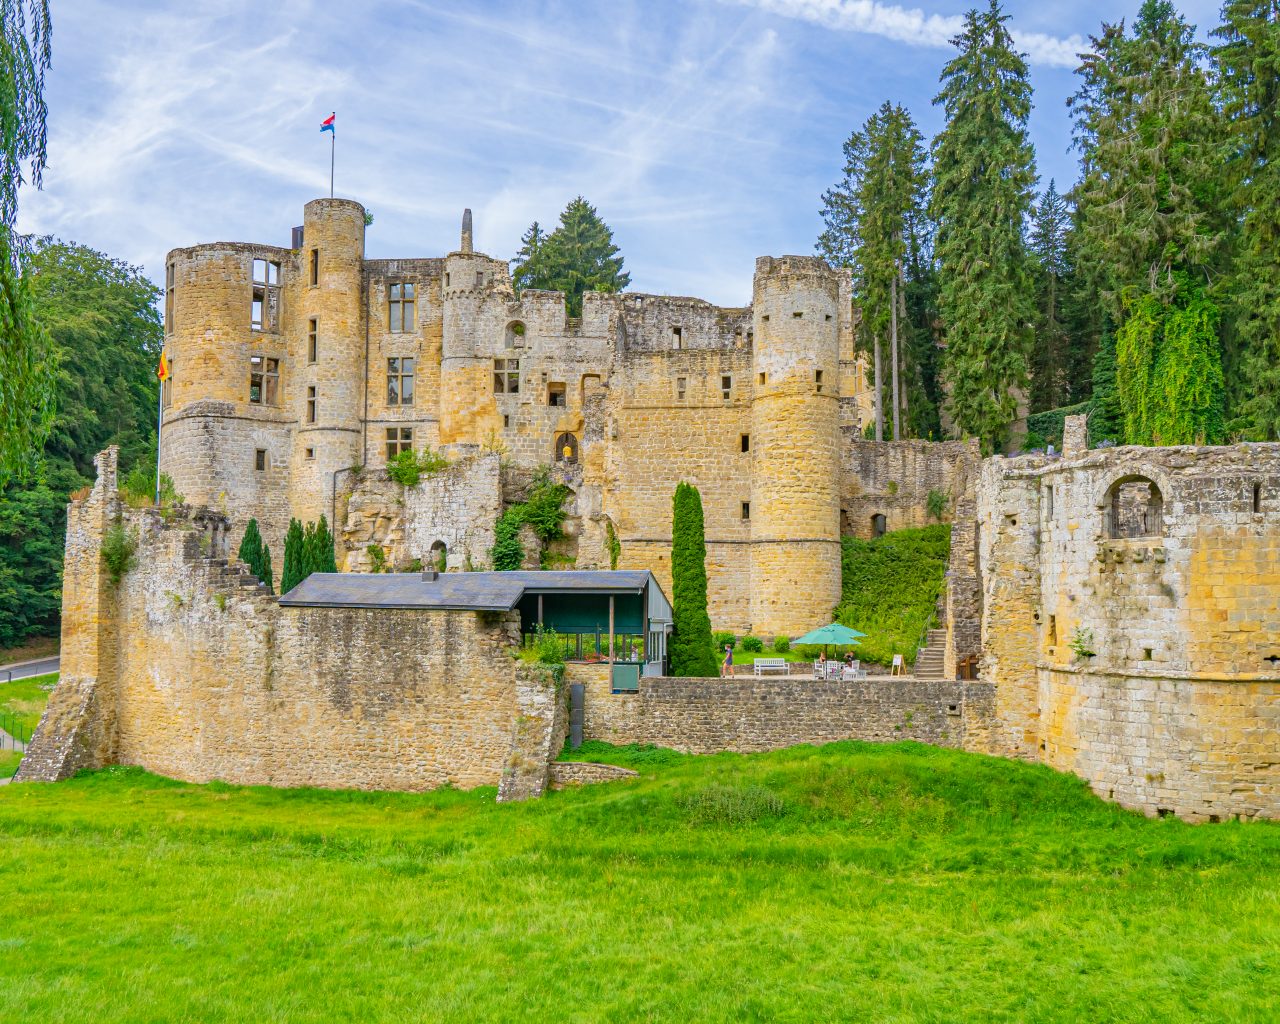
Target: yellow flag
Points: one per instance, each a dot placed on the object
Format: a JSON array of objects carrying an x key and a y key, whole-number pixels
[{"x": 162, "y": 371}]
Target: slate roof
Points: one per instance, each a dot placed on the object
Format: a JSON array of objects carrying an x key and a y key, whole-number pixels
[{"x": 462, "y": 591}]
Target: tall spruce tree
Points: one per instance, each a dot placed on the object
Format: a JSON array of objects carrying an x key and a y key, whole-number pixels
[
  {"x": 293, "y": 571},
  {"x": 1152, "y": 219},
  {"x": 1248, "y": 64},
  {"x": 322, "y": 553},
  {"x": 873, "y": 219},
  {"x": 984, "y": 176},
  {"x": 1106, "y": 418},
  {"x": 1051, "y": 384},
  {"x": 264, "y": 564},
  {"x": 577, "y": 257},
  {"x": 691, "y": 650}
]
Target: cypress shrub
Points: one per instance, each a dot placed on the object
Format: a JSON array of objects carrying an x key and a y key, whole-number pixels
[
  {"x": 250, "y": 551},
  {"x": 294, "y": 571},
  {"x": 325, "y": 561},
  {"x": 265, "y": 566},
  {"x": 691, "y": 653}
]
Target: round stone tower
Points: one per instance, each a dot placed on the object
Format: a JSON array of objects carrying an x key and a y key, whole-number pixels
[
  {"x": 328, "y": 400},
  {"x": 795, "y": 450}
]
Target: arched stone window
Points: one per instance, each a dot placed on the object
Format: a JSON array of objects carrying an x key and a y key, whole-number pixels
[
  {"x": 879, "y": 525},
  {"x": 439, "y": 556},
  {"x": 1134, "y": 508},
  {"x": 566, "y": 448},
  {"x": 515, "y": 335}
]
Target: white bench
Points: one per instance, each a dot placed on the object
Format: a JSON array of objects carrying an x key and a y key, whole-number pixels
[{"x": 763, "y": 665}]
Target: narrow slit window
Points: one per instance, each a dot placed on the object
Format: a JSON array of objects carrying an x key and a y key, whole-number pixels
[
  {"x": 166, "y": 387},
  {"x": 264, "y": 380},
  {"x": 681, "y": 388},
  {"x": 817, "y": 379},
  {"x": 746, "y": 510},
  {"x": 168, "y": 300},
  {"x": 677, "y": 338},
  {"x": 313, "y": 343},
  {"x": 400, "y": 300},
  {"x": 311, "y": 404},
  {"x": 400, "y": 380},
  {"x": 260, "y": 460},
  {"x": 746, "y": 442},
  {"x": 1052, "y": 638},
  {"x": 315, "y": 267},
  {"x": 726, "y": 386},
  {"x": 762, "y": 379},
  {"x": 1257, "y": 498}
]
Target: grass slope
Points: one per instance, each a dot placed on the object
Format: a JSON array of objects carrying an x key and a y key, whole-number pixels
[
  {"x": 25, "y": 699},
  {"x": 850, "y": 882},
  {"x": 890, "y": 586}
]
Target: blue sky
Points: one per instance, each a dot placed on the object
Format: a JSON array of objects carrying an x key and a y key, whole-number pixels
[{"x": 704, "y": 132}]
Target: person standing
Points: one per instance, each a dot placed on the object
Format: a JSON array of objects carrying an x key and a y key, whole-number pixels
[{"x": 726, "y": 668}]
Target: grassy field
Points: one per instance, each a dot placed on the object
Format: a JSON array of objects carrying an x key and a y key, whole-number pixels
[
  {"x": 26, "y": 698},
  {"x": 846, "y": 883}
]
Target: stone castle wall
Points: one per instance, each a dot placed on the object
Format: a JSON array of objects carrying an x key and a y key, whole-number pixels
[
  {"x": 894, "y": 479},
  {"x": 1146, "y": 664},
  {"x": 703, "y": 716},
  {"x": 189, "y": 668}
]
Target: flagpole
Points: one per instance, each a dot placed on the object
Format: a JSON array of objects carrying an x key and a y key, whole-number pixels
[
  {"x": 159, "y": 426},
  {"x": 333, "y": 141}
]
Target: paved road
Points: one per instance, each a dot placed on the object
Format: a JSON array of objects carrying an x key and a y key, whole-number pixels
[{"x": 23, "y": 669}]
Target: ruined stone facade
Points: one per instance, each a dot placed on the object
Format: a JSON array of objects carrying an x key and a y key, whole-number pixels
[
  {"x": 294, "y": 368},
  {"x": 1130, "y": 608}
]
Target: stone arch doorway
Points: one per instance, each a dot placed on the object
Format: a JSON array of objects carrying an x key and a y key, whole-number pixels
[
  {"x": 1134, "y": 509},
  {"x": 566, "y": 448},
  {"x": 439, "y": 556},
  {"x": 879, "y": 525}
]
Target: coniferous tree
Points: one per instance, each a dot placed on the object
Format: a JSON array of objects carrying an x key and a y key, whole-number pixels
[
  {"x": 1153, "y": 222},
  {"x": 691, "y": 648},
  {"x": 1106, "y": 418},
  {"x": 578, "y": 256},
  {"x": 1051, "y": 384},
  {"x": 265, "y": 566},
  {"x": 1248, "y": 62},
  {"x": 325, "y": 560},
  {"x": 874, "y": 219},
  {"x": 250, "y": 551},
  {"x": 984, "y": 176},
  {"x": 294, "y": 570}
]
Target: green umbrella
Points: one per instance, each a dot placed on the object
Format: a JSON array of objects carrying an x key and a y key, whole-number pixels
[{"x": 841, "y": 636}]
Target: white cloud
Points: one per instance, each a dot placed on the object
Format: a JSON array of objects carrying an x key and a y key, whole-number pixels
[{"x": 913, "y": 26}]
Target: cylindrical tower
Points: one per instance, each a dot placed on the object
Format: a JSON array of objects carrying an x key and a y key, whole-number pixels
[
  {"x": 328, "y": 343},
  {"x": 795, "y": 450},
  {"x": 226, "y": 433}
]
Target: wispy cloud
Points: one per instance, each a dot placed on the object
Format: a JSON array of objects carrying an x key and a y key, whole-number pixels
[{"x": 912, "y": 26}]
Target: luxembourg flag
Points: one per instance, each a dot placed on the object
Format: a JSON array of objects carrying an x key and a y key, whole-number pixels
[{"x": 327, "y": 124}]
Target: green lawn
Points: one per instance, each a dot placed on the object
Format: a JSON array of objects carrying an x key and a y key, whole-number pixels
[
  {"x": 852, "y": 882},
  {"x": 26, "y": 698}
]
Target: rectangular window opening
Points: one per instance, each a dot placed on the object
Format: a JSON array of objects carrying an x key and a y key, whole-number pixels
[
  {"x": 311, "y": 453},
  {"x": 726, "y": 386},
  {"x": 681, "y": 388},
  {"x": 166, "y": 388},
  {"x": 677, "y": 338},
  {"x": 746, "y": 442},
  {"x": 506, "y": 421},
  {"x": 1048, "y": 503},
  {"x": 506, "y": 376},
  {"x": 400, "y": 306},
  {"x": 266, "y": 295},
  {"x": 399, "y": 439},
  {"x": 315, "y": 267},
  {"x": 817, "y": 379},
  {"x": 556, "y": 395},
  {"x": 168, "y": 300},
  {"x": 1257, "y": 498},
  {"x": 313, "y": 344},
  {"x": 797, "y": 315},
  {"x": 264, "y": 380},
  {"x": 311, "y": 404},
  {"x": 400, "y": 380},
  {"x": 746, "y": 510},
  {"x": 1053, "y": 631},
  {"x": 1147, "y": 653},
  {"x": 260, "y": 460},
  {"x": 762, "y": 379}
]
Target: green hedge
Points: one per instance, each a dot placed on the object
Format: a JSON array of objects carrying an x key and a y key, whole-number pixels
[{"x": 890, "y": 588}]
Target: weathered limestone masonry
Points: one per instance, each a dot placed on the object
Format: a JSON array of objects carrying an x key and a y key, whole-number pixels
[
  {"x": 292, "y": 366},
  {"x": 702, "y": 716},
  {"x": 191, "y": 669},
  {"x": 1131, "y": 621}
]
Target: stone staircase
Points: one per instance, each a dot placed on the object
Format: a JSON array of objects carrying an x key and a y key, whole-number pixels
[{"x": 930, "y": 658}]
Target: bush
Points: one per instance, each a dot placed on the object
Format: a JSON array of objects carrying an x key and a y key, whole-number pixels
[
  {"x": 545, "y": 647},
  {"x": 781, "y": 644},
  {"x": 119, "y": 551},
  {"x": 543, "y": 509},
  {"x": 752, "y": 644},
  {"x": 936, "y": 504},
  {"x": 723, "y": 640},
  {"x": 138, "y": 488},
  {"x": 890, "y": 587},
  {"x": 409, "y": 466}
]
